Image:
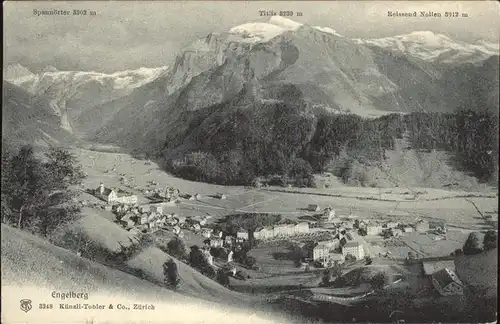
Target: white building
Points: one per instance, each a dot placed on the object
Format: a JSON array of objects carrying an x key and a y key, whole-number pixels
[
  {"x": 284, "y": 230},
  {"x": 144, "y": 209},
  {"x": 391, "y": 224},
  {"x": 373, "y": 229},
  {"x": 263, "y": 233},
  {"x": 301, "y": 228},
  {"x": 321, "y": 252},
  {"x": 242, "y": 234},
  {"x": 353, "y": 248},
  {"x": 323, "y": 249},
  {"x": 206, "y": 232},
  {"x": 216, "y": 242},
  {"x": 328, "y": 213},
  {"x": 115, "y": 196}
]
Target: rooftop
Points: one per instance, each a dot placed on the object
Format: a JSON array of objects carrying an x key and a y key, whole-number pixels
[
  {"x": 431, "y": 267},
  {"x": 352, "y": 244},
  {"x": 446, "y": 276}
]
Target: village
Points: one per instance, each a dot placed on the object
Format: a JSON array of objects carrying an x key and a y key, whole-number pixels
[{"x": 325, "y": 237}]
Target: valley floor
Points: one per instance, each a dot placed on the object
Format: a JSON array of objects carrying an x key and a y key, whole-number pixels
[{"x": 457, "y": 208}]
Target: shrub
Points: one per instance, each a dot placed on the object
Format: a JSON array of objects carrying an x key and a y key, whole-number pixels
[
  {"x": 177, "y": 248},
  {"x": 171, "y": 274},
  {"x": 474, "y": 242},
  {"x": 490, "y": 240},
  {"x": 249, "y": 261},
  {"x": 223, "y": 278}
]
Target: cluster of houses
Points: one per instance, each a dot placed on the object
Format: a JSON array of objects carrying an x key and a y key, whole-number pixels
[
  {"x": 146, "y": 217},
  {"x": 165, "y": 194},
  {"x": 397, "y": 229}
]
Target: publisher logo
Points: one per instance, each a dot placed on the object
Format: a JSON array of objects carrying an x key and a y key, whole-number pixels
[{"x": 25, "y": 305}]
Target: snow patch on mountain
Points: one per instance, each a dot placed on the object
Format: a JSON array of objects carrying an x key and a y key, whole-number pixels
[
  {"x": 256, "y": 32},
  {"x": 429, "y": 46},
  {"x": 284, "y": 23},
  {"x": 260, "y": 32},
  {"x": 328, "y": 30},
  {"x": 122, "y": 80}
]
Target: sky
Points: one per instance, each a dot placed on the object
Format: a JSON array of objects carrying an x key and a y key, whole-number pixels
[{"x": 128, "y": 35}]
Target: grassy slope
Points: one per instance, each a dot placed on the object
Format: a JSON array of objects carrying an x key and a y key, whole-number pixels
[
  {"x": 40, "y": 267},
  {"x": 480, "y": 271},
  {"x": 193, "y": 283},
  {"x": 29, "y": 259},
  {"x": 97, "y": 229},
  {"x": 411, "y": 168},
  {"x": 109, "y": 236}
]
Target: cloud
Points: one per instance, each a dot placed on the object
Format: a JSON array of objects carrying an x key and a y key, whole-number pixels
[{"x": 125, "y": 35}]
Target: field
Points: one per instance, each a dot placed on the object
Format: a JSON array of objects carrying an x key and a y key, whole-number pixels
[{"x": 450, "y": 206}]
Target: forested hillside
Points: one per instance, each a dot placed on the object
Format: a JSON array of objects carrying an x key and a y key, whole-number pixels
[{"x": 239, "y": 141}]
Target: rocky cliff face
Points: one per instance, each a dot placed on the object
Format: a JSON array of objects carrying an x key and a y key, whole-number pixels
[{"x": 255, "y": 63}]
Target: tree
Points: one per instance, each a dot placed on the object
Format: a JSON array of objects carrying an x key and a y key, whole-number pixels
[
  {"x": 23, "y": 185},
  {"x": 490, "y": 240},
  {"x": 368, "y": 260},
  {"x": 218, "y": 252},
  {"x": 198, "y": 260},
  {"x": 326, "y": 278},
  {"x": 249, "y": 261},
  {"x": 171, "y": 274},
  {"x": 332, "y": 273},
  {"x": 223, "y": 278},
  {"x": 378, "y": 281},
  {"x": 350, "y": 258},
  {"x": 37, "y": 194},
  {"x": 177, "y": 248},
  {"x": 336, "y": 270}
]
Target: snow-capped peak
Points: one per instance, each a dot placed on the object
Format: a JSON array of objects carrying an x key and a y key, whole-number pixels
[
  {"x": 16, "y": 70},
  {"x": 430, "y": 46},
  {"x": 284, "y": 23},
  {"x": 264, "y": 31},
  {"x": 128, "y": 79}
]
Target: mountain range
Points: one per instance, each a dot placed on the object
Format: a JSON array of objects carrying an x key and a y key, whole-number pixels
[
  {"x": 69, "y": 93},
  {"x": 256, "y": 64}
]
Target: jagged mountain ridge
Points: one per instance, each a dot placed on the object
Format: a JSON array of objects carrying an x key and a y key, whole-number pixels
[
  {"x": 331, "y": 71},
  {"x": 72, "y": 92}
]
